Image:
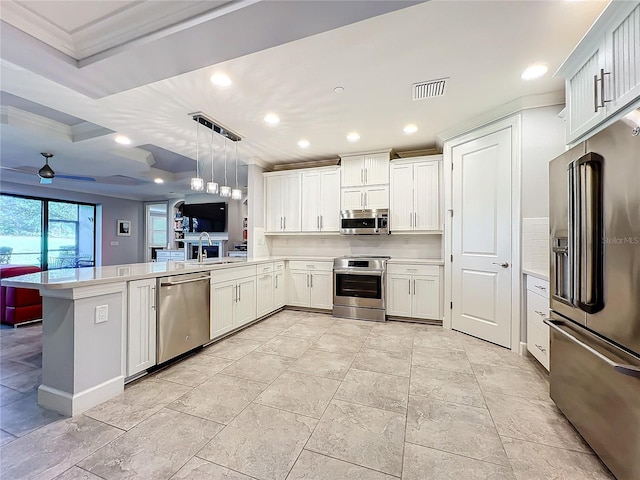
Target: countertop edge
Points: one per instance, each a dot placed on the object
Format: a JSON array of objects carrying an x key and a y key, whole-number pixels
[{"x": 536, "y": 273}]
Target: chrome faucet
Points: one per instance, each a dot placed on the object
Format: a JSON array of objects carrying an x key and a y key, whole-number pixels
[{"x": 200, "y": 244}]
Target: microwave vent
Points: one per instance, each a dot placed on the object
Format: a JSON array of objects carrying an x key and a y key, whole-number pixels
[{"x": 429, "y": 89}]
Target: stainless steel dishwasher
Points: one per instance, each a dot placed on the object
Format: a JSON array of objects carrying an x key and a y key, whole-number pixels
[{"x": 183, "y": 317}]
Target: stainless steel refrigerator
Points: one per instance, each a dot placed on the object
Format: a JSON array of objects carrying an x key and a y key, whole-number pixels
[{"x": 594, "y": 220}]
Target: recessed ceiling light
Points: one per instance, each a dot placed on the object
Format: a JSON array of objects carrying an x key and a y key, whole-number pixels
[
  {"x": 303, "y": 143},
  {"x": 534, "y": 71},
  {"x": 158, "y": 180},
  {"x": 353, "y": 137},
  {"x": 221, "y": 80},
  {"x": 272, "y": 119},
  {"x": 122, "y": 140},
  {"x": 338, "y": 89},
  {"x": 409, "y": 129}
]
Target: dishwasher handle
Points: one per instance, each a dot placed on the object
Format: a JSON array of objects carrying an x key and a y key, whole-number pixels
[{"x": 181, "y": 282}]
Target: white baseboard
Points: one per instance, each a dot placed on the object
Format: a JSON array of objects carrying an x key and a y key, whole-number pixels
[
  {"x": 74, "y": 404},
  {"x": 522, "y": 348}
]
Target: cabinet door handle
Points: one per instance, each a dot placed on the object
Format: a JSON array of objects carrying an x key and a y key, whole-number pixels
[
  {"x": 235, "y": 293},
  {"x": 409, "y": 286},
  {"x": 239, "y": 292},
  {"x": 321, "y": 222},
  {"x": 543, "y": 350},
  {"x": 362, "y": 200},
  {"x": 307, "y": 279},
  {"x": 410, "y": 219},
  {"x": 153, "y": 298},
  {"x": 280, "y": 223},
  {"x": 285, "y": 223},
  {"x": 415, "y": 219},
  {"x": 414, "y": 286},
  {"x": 365, "y": 199},
  {"x": 544, "y": 289},
  {"x": 602, "y": 100},
  {"x": 365, "y": 176},
  {"x": 542, "y": 314},
  {"x": 362, "y": 175},
  {"x": 311, "y": 275},
  {"x": 276, "y": 281}
]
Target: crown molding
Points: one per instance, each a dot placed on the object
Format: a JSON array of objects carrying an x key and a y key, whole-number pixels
[
  {"x": 15, "y": 117},
  {"x": 87, "y": 131},
  {"x": 24, "y": 19},
  {"x": 505, "y": 110}
]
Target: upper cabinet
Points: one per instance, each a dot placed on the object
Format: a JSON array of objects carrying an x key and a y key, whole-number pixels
[
  {"x": 602, "y": 74},
  {"x": 365, "y": 181},
  {"x": 321, "y": 199},
  {"x": 365, "y": 169},
  {"x": 415, "y": 195},
  {"x": 282, "y": 202}
]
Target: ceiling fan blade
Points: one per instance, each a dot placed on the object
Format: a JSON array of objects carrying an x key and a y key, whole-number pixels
[{"x": 76, "y": 177}]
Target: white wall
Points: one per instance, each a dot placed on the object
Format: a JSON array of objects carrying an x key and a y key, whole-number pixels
[
  {"x": 129, "y": 249},
  {"x": 543, "y": 139}
]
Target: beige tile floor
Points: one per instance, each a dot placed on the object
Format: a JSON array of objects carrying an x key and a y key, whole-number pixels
[{"x": 303, "y": 396}]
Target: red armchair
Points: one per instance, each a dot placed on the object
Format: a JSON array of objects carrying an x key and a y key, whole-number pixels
[{"x": 19, "y": 305}]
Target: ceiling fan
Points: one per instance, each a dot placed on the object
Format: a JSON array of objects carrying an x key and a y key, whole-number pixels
[{"x": 47, "y": 174}]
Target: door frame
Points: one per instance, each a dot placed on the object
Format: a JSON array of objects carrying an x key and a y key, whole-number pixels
[{"x": 513, "y": 123}]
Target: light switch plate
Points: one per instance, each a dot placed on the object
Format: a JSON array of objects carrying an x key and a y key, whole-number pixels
[
  {"x": 102, "y": 313},
  {"x": 115, "y": 243}
]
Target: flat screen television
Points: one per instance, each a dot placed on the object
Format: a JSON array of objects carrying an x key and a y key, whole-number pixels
[{"x": 205, "y": 217}]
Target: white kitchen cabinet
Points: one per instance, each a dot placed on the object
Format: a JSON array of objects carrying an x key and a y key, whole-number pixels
[
  {"x": 283, "y": 202},
  {"x": 321, "y": 200},
  {"x": 415, "y": 194},
  {"x": 279, "y": 286},
  {"x": 264, "y": 294},
  {"x": 365, "y": 198},
  {"x": 233, "y": 299},
  {"x": 537, "y": 308},
  {"x": 602, "y": 74},
  {"x": 310, "y": 284},
  {"x": 414, "y": 291},
  {"x": 365, "y": 169},
  {"x": 141, "y": 326}
]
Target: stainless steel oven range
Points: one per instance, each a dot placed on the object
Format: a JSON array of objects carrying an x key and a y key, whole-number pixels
[{"x": 359, "y": 285}]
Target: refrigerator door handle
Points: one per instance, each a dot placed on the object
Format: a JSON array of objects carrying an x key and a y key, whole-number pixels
[
  {"x": 590, "y": 278},
  {"x": 625, "y": 369},
  {"x": 573, "y": 236}
]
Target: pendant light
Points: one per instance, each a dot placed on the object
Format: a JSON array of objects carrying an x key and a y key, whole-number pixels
[
  {"x": 197, "y": 183},
  {"x": 236, "y": 193},
  {"x": 212, "y": 186},
  {"x": 225, "y": 190}
]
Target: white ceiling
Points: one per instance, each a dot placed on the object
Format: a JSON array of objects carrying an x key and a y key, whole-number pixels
[{"x": 481, "y": 46}]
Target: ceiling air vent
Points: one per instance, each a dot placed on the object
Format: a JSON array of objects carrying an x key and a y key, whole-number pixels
[{"x": 432, "y": 88}]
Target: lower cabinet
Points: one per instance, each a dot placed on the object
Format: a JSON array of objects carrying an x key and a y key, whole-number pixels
[
  {"x": 279, "y": 286},
  {"x": 265, "y": 286},
  {"x": 310, "y": 284},
  {"x": 141, "y": 326},
  {"x": 233, "y": 299},
  {"x": 414, "y": 291},
  {"x": 537, "y": 311}
]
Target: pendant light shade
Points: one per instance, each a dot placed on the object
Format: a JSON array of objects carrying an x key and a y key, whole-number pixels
[
  {"x": 212, "y": 186},
  {"x": 46, "y": 171},
  {"x": 225, "y": 190},
  {"x": 236, "y": 193},
  {"x": 197, "y": 183}
]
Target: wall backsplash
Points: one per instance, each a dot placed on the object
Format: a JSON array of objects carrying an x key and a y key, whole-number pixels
[
  {"x": 535, "y": 244},
  {"x": 396, "y": 246}
]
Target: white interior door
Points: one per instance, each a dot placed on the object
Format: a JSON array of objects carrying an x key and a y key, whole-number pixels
[{"x": 481, "y": 238}]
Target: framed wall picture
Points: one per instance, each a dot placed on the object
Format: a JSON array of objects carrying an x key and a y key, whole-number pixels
[{"x": 124, "y": 228}]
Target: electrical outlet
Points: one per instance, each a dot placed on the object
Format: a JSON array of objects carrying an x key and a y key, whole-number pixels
[{"x": 102, "y": 313}]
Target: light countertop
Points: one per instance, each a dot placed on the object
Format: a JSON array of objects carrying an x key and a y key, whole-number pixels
[
  {"x": 67, "y": 278},
  {"x": 542, "y": 275}
]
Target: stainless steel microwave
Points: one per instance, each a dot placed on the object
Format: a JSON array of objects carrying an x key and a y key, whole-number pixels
[{"x": 364, "y": 222}]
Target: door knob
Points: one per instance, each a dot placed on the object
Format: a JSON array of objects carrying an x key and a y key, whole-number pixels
[{"x": 503, "y": 265}]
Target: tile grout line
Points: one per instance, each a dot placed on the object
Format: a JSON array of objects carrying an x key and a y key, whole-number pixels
[{"x": 322, "y": 415}]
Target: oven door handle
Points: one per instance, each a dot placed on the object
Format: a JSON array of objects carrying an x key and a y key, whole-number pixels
[{"x": 376, "y": 273}]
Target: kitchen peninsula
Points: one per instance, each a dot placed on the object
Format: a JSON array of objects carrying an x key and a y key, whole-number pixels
[{"x": 99, "y": 330}]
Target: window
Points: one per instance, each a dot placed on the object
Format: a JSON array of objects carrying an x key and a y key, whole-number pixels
[{"x": 46, "y": 233}]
